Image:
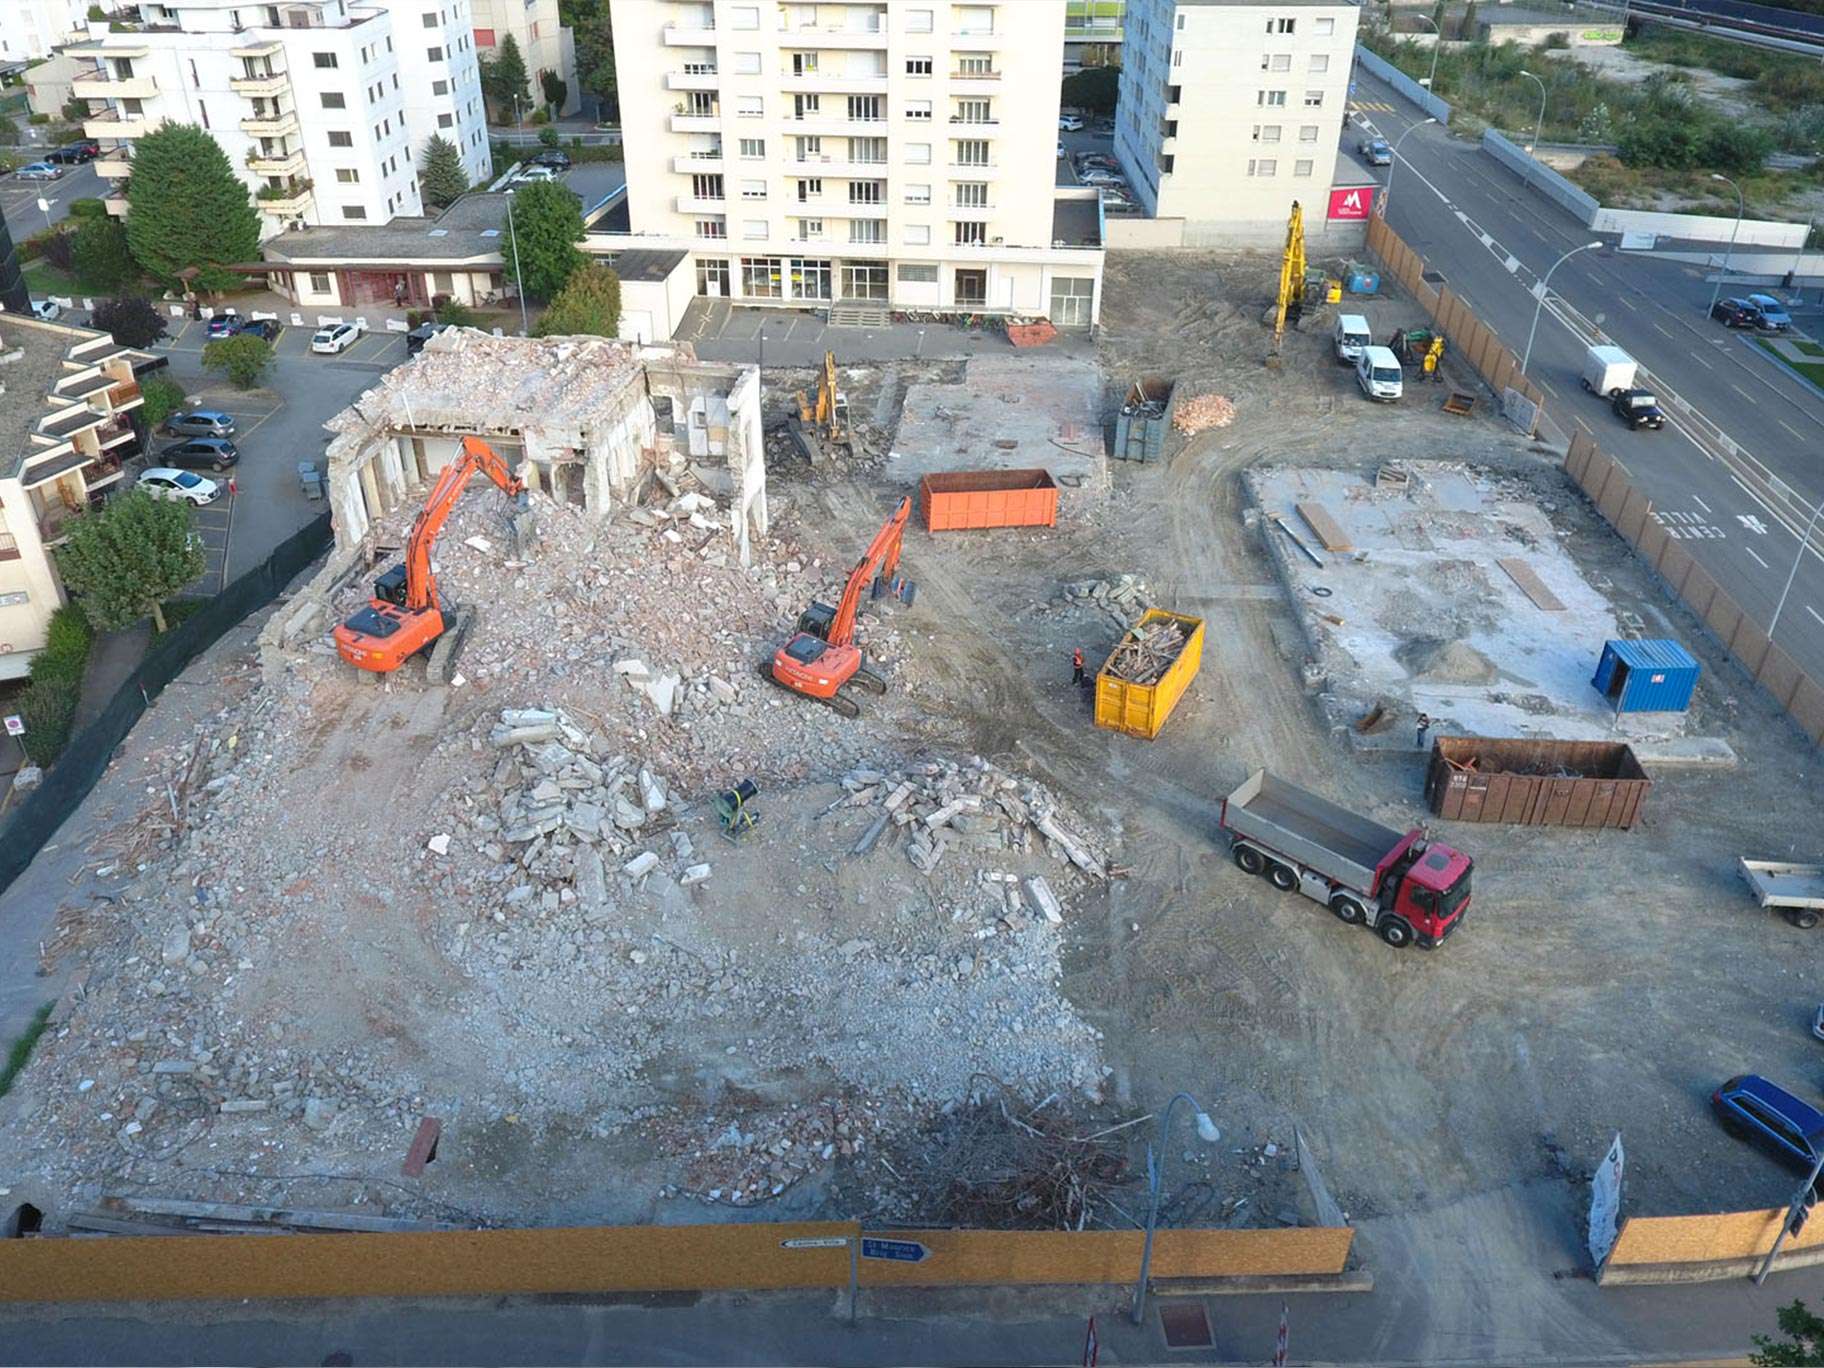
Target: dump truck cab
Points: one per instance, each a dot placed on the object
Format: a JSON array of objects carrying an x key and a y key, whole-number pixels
[{"x": 1428, "y": 885}]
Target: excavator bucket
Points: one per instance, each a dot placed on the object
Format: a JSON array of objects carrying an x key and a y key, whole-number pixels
[{"x": 898, "y": 587}]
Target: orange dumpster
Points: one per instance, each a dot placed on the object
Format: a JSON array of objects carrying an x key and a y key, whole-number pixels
[{"x": 963, "y": 499}]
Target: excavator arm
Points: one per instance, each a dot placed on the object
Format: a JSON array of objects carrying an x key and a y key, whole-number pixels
[
  {"x": 882, "y": 558},
  {"x": 420, "y": 581}
]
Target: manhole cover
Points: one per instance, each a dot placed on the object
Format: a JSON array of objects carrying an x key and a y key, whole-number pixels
[
  {"x": 1186, "y": 1325},
  {"x": 1432, "y": 277}
]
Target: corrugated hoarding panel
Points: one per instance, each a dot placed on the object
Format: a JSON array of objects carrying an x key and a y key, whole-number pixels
[{"x": 1779, "y": 675}]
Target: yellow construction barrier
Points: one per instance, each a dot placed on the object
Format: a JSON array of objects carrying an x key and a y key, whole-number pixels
[{"x": 1728, "y": 1244}]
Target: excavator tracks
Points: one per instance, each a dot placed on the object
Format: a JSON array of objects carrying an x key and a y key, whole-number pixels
[{"x": 838, "y": 702}]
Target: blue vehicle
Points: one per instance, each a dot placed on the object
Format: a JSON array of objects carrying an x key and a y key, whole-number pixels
[
  {"x": 224, "y": 325},
  {"x": 1773, "y": 313},
  {"x": 1755, "y": 1109}
]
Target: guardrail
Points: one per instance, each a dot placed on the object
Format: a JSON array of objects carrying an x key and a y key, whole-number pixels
[
  {"x": 1541, "y": 177},
  {"x": 1400, "y": 81}
]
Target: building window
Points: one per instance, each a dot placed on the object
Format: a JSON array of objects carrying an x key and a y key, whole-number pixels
[
  {"x": 1266, "y": 167},
  {"x": 867, "y": 192},
  {"x": 918, "y": 194},
  {"x": 914, "y": 273},
  {"x": 1314, "y": 99},
  {"x": 972, "y": 194},
  {"x": 749, "y": 106},
  {"x": 806, "y": 105},
  {"x": 706, "y": 187},
  {"x": 974, "y": 112},
  {"x": 1307, "y": 133},
  {"x": 744, "y": 17},
  {"x": 435, "y": 54},
  {"x": 1326, "y": 28},
  {"x": 761, "y": 278},
  {"x": 1281, "y": 25},
  {"x": 918, "y": 109},
  {"x": 1266, "y": 133},
  {"x": 326, "y": 61},
  {"x": 1301, "y": 168},
  {"x": 716, "y": 227},
  {"x": 445, "y": 120},
  {"x": 917, "y": 154},
  {"x": 1071, "y": 300},
  {"x": 918, "y": 66},
  {"x": 1271, "y": 99},
  {"x": 918, "y": 21},
  {"x": 867, "y": 108},
  {"x": 712, "y": 277},
  {"x": 971, "y": 234},
  {"x": 354, "y": 211},
  {"x": 810, "y": 279},
  {"x": 872, "y": 151},
  {"x": 804, "y": 64},
  {"x": 972, "y": 152},
  {"x": 431, "y": 20},
  {"x": 810, "y": 189},
  {"x": 332, "y": 99},
  {"x": 918, "y": 235},
  {"x": 974, "y": 64},
  {"x": 319, "y": 282},
  {"x": 341, "y": 138},
  {"x": 867, "y": 230},
  {"x": 754, "y": 230},
  {"x": 747, "y": 64},
  {"x": 1320, "y": 62},
  {"x": 809, "y": 230},
  {"x": 810, "y": 149},
  {"x": 440, "y": 87},
  {"x": 484, "y": 37},
  {"x": 975, "y": 19},
  {"x": 1276, "y": 61},
  {"x": 347, "y": 175},
  {"x": 753, "y": 189},
  {"x": 752, "y": 149}
]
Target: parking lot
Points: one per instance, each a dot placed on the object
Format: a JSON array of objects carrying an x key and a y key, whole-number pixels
[{"x": 19, "y": 198}]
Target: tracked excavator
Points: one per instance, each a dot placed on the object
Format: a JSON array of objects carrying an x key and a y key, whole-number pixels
[
  {"x": 821, "y": 658},
  {"x": 407, "y": 615}
]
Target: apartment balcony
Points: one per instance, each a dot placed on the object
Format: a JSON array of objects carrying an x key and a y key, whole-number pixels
[
  {"x": 106, "y": 86},
  {"x": 690, "y": 35},
  {"x": 698, "y": 163},
  {"x": 840, "y": 127},
  {"x": 288, "y": 202},
  {"x": 837, "y": 164},
  {"x": 115, "y": 164},
  {"x": 257, "y": 49},
  {"x": 961, "y": 127},
  {"x": 260, "y": 87},
  {"x": 696, "y": 123},
  {"x": 104, "y": 470},
  {"x": 122, "y": 396},
  {"x": 968, "y": 170},
  {"x": 116, "y": 203},
  {"x": 276, "y": 163},
  {"x": 693, "y": 204},
  {"x": 693, "y": 80},
  {"x": 834, "y": 37},
  {"x": 974, "y": 41},
  {"x": 973, "y": 213},
  {"x": 830, "y": 208},
  {"x": 975, "y": 83},
  {"x": 271, "y": 125},
  {"x": 54, "y": 524},
  {"x": 124, "y": 127},
  {"x": 831, "y": 83}
]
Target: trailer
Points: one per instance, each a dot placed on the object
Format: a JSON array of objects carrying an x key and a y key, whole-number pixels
[
  {"x": 1400, "y": 885},
  {"x": 1797, "y": 890}
]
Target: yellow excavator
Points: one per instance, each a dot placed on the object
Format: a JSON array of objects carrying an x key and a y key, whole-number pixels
[
  {"x": 824, "y": 423},
  {"x": 1291, "y": 300}
]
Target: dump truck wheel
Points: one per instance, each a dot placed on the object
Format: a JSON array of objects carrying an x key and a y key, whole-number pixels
[
  {"x": 1396, "y": 933},
  {"x": 1249, "y": 860},
  {"x": 1281, "y": 878},
  {"x": 1802, "y": 917},
  {"x": 1348, "y": 910}
]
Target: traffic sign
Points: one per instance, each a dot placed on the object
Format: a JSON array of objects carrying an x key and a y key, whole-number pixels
[
  {"x": 816, "y": 1242},
  {"x": 899, "y": 1251},
  {"x": 15, "y": 725}
]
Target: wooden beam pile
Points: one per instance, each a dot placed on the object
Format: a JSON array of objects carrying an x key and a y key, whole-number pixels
[
  {"x": 1146, "y": 653},
  {"x": 1203, "y": 411}
]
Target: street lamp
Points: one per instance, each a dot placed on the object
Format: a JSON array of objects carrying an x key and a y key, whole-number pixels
[
  {"x": 519, "y": 278},
  {"x": 1538, "y": 128},
  {"x": 1729, "y": 256},
  {"x": 1393, "y": 161},
  {"x": 1804, "y": 542},
  {"x": 1541, "y": 289},
  {"x": 1155, "y": 1164},
  {"x": 1431, "y": 80}
]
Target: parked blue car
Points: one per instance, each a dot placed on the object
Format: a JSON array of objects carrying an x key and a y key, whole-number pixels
[
  {"x": 1771, "y": 1117},
  {"x": 1773, "y": 313}
]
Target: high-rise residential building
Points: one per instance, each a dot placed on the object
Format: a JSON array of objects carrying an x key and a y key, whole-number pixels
[
  {"x": 1092, "y": 33},
  {"x": 320, "y": 105},
  {"x": 895, "y": 155},
  {"x": 1231, "y": 111},
  {"x": 544, "y": 43},
  {"x": 29, "y": 29}
]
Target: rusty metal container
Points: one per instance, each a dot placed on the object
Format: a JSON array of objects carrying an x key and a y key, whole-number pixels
[
  {"x": 1536, "y": 783},
  {"x": 958, "y": 500}
]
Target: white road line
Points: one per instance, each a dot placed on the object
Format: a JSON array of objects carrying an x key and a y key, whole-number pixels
[
  {"x": 1658, "y": 329},
  {"x": 1700, "y": 361},
  {"x": 1739, "y": 390},
  {"x": 1623, "y": 300},
  {"x": 1700, "y": 503},
  {"x": 1790, "y": 428},
  {"x": 1813, "y": 612},
  {"x": 1757, "y": 560}
]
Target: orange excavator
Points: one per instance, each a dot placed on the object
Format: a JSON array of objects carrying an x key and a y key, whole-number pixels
[
  {"x": 821, "y": 657},
  {"x": 406, "y": 614}
]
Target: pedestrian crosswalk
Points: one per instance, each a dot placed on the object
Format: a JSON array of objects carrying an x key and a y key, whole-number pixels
[{"x": 1372, "y": 106}]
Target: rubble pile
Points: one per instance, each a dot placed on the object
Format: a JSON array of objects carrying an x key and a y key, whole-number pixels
[
  {"x": 1123, "y": 598},
  {"x": 1200, "y": 412}
]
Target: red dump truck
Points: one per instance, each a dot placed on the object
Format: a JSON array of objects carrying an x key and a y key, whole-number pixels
[{"x": 1402, "y": 886}]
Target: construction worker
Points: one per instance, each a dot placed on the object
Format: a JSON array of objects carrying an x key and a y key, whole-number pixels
[
  {"x": 1076, "y": 663},
  {"x": 1424, "y": 726}
]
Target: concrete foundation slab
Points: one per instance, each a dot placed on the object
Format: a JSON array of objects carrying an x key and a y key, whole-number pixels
[{"x": 1010, "y": 412}]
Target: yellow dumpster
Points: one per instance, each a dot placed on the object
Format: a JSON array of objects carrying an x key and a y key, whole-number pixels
[{"x": 1136, "y": 689}]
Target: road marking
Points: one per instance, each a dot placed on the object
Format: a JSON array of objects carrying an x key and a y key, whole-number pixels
[
  {"x": 1757, "y": 560},
  {"x": 1813, "y": 612},
  {"x": 1790, "y": 428},
  {"x": 1700, "y": 361},
  {"x": 1739, "y": 390},
  {"x": 1700, "y": 503},
  {"x": 1657, "y": 328},
  {"x": 1624, "y": 300}
]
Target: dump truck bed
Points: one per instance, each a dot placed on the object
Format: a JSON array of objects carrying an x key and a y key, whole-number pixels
[
  {"x": 1317, "y": 833},
  {"x": 1777, "y": 883}
]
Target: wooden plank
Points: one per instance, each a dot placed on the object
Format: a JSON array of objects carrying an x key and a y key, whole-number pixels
[
  {"x": 1329, "y": 532},
  {"x": 424, "y": 1147},
  {"x": 268, "y": 1215},
  {"x": 1534, "y": 588}
]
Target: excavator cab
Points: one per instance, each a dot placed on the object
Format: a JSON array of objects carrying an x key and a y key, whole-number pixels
[
  {"x": 816, "y": 621},
  {"x": 391, "y": 587}
]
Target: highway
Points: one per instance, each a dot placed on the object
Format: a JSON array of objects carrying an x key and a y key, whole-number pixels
[{"x": 1738, "y": 473}]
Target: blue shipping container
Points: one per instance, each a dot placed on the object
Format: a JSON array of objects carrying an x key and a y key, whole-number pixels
[{"x": 1646, "y": 676}]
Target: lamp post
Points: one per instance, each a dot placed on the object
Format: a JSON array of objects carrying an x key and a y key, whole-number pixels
[
  {"x": 1393, "y": 161},
  {"x": 525, "y": 325},
  {"x": 1798, "y": 556},
  {"x": 1540, "y": 305},
  {"x": 1728, "y": 256},
  {"x": 1539, "y": 127},
  {"x": 1432, "y": 80},
  {"x": 1155, "y": 1164}
]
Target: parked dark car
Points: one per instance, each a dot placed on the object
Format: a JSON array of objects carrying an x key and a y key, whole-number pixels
[
  {"x": 215, "y": 453},
  {"x": 75, "y": 154},
  {"x": 1638, "y": 408},
  {"x": 551, "y": 157},
  {"x": 1765, "y": 1113},
  {"x": 199, "y": 423},
  {"x": 1736, "y": 313},
  {"x": 418, "y": 336},
  {"x": 267, "y": 328},
  {"x": 225, "y": 325}
]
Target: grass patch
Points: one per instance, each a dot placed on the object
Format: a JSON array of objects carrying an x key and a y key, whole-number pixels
[
  {"x": 21, "y": 1051},
  {"x": 1810, "y": 370},
  {"x": 42, "y": 278},
  {"x": 1809, "y": 348}
]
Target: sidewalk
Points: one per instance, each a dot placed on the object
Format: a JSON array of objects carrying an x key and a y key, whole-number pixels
[
  {"x": 722, "y": 331},
  {"x": 112, "y": 657}
]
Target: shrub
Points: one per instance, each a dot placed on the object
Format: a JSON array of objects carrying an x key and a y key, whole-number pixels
[
  {"x": 242, "y": 358},
  {"x": 456, "y": 314},
  {"x": 1735, "y": 147},
  {"x": 1791, "y": 87},
  {"x": 1656, "y": 140},
  {"x": 58, "y": 248},
  {"x": 1553, "y": 42},
  {"x": 66, "y": 647},
  {"x": 87, "y": 208},
  {"x": 549, "y": 136},
  {"x": 48, "y": 710},
  {"x": 541, "y": 116},
  {"x": 40, "y": 118}
]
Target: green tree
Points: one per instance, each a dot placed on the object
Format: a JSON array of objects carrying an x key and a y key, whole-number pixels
[
  {"x": 549, "y": 136},
  {"x": 503, "y": 78},
  {"x": 1802, "y": 1345},
  {"x": 163, "y": 397},
  {"x": 186, "y": 208},
  {"x": 590, "y": 302},
  {"x": 100, "y": 254},
  {"x": 243, "y": 358},
  {"x": 441, "y": 175},
  {"x": 75, "y": 110},
  {"x": 133, "y": 321},
  {"x": 555, "y": 90},
  {"x": 455, "y": 314},
  {"x": 125, "y": 561},
  {"x": 595, "y": 58},
  {"x": 1093, "y": 88},
  {"x": 547, "y": 223}
]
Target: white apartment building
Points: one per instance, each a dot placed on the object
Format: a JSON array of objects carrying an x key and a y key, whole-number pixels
[
  {"x": 1231, "y": 111},
  {"x": 29, "y": 29},
  {"x": 894, "y": 155},
  {"x": 309, "y": 99},
  {"x": 544, "y": 43}
]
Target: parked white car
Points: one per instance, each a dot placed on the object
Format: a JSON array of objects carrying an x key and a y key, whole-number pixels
[
  {"x": 337, "y": 337},
  {"x": 47, "y": 309},
  {"x": 535, "y": 173},
  {"x": 165, "y": 482},
  {"x": 1069, "y": 123}
]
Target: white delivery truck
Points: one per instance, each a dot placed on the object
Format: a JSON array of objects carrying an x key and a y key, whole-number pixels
[
  {"x": 1608, "y": 371},
  {"x": 1377, "y": 371},
  {"x": 1350, "y": 336}
]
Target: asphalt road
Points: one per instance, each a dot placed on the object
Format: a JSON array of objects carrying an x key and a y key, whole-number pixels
[
  {"x": 20, "y": 197},
  {"x": 1736, "y": 475}
]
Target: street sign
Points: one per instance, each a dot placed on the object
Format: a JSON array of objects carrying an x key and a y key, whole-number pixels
[
  {"x": 1092, "y": 1347},
  {"x": 1351, "y": 202},
  {"x": 899, "y": 1251},
  {"x": 15, "y": 725},
  {"x": 816, "y": 1242}
]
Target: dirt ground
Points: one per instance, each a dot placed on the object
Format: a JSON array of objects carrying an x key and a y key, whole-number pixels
[{"x": 1603, "y": 981}]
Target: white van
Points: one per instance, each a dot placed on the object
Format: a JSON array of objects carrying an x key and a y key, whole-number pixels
[
  {"x": 1350, "y": 336},
  {"x": 1377, "y": 371}
]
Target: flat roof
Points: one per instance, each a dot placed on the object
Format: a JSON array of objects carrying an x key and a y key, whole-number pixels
[
  {"x": 474, "y": 226},
  {"x": 644, "y": 266},
  {"x": 1076, "y": 222},
  {"x": 31, "y": 362}
]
